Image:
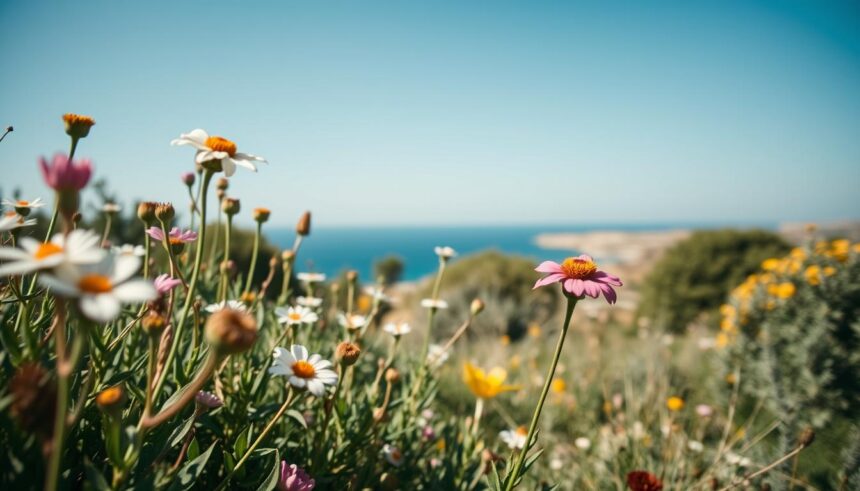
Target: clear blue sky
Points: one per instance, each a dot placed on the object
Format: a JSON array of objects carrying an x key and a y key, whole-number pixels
[{"x": 453, "y": 112}]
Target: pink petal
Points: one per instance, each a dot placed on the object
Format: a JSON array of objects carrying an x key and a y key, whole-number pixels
[
  {"x": 604, "y": 277},
  {"x": 47, "y": 175},
  {"x": 608, "y": 292},
  {"x": 591, "y": 288},
  {"x": 155, "y": 233},
  {"x": 574, "y": 286},
  {"x": 546, "y": 280},
  {"x": 548, "y": 267},
  {"x": 586, "y": 257}
]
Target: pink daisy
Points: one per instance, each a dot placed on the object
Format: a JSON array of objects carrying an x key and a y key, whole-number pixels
[
  {"x": 579, "y": 276},
  {"x": 164, "y": 283},
  {"x": 174, "y": 236}
]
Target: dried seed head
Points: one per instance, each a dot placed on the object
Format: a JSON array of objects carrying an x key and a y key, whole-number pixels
[
  {"x": 807, "y": 436},
  {"x": 231, "y": 206},
  {"x": 165, "y": 212},
  {"x": 231, "y": 331},
  {"x": 222, "y": 184},
  {"x": 392, "y": 376},
  {"x": 146, "y": 211},
  {"x": 34, "y": 399},
  {"x": 347, "y": 353},
  {"x": 303, "y": 228}
]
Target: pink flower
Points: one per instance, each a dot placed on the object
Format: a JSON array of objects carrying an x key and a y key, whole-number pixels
[
  {"x": 208, "y": 400},
  {"x": 188, "y": 178},
  {"x": 579, "y": 276},
  {"x": 65, "y": 174},
  {"x": 294, "y": 478},
  {"x": 175, "y": 235},
  {"x": 164, "y": 283}
]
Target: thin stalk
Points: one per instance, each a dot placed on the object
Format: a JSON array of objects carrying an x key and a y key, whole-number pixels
[
  {"x": 254, "y": 254},
  {"x": 225, "y": 273},
  {"x": 188, "y": 393},
  {"x": 518, "y": 465},
  {"x": 108, "y": 223}
]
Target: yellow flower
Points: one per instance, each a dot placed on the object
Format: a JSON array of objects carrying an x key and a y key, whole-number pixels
[
  {"x": 440, "y": 444},
  {"x": 365, "y": 302},
  {"x": 722, "y": 340},
  {"x": 728, "y": 325},
  {"x": 505, "y": 340},
  {"x": 829, "y": 271},
  {"x": 486, "y": 385},
  {"x": 534, "y": 330},
  {"x": 798, "y": 253},
  {"x": 558, "y": 386},
  {"x": 675, "y": 403},
  {"x": 771, "y": 264},
  {"x": 728, "y": 310},
  {"x": 839, "y": 249},
  {"x": 785, "y": 290},
  {"x": 813, "y": 275}
]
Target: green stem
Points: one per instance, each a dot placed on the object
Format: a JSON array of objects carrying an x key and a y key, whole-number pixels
[
  {"x": 225, "y": 273},
  {"x": 108, "y": 222},
  {"x": 511, "y": 479},
  {"x": 147, "y": 247},
  {"x": 253, "y": 258}
]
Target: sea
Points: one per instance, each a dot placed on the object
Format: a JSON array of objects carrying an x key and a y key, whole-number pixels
[{"x": 332, "y": 250}]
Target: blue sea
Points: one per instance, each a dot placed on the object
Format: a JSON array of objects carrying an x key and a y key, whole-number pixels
[{"x": 334, "y": 250}]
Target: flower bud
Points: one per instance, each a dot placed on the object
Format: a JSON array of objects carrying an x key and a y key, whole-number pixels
[
  {"x": 248, "y": 298},
  {"x": 146, "y": 212},
  {"x": 230, "y": 206},
  {"x": 303, "y": 228},
  {"x": 261, "y": 215},
  {"x": 220, "y": 194},
  {"x": 228, "y": 267},
  {"x": 153, "y": 323},
  {"x": 230, "y": 331},
  {"x": 206, "y": 401},
  {"x": 378, "y": 414},
  {"x": 222, "y": 184},
  {"x": 352, "y": 276},
  {"x": 77, "y": 217},
  {"x": 273, "y": 262},
  {"x": 78, "y": 126},
  {"x": 288, "y": 256},
  {"x": 188, "y": 178},
  {"x": 807, "y": 436},
  {"x": 392, "y": 376},
  {"x": 347, "y": 353},
  {"x": 165, "y": 212},
  {"x": 477, "y": 306},
  {"x": 111, "y": 400}
]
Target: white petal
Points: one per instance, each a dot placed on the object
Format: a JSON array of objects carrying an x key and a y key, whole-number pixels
[
  {"x": 13, "y": 253},
  {"x": 314, "y": 359},
  {"x": 23, "y": 266},
  {"x": 279, "y": 369},
  {"x": 316, "y": 387},
  {"x": 300, "y": 352},
  {"x": 124, "y": 267},
  {"x": 245, "y": 163},
  {"x": 284, "y": 356},
  {"x": 297, "y": 382},
  {"x": 228, "y": 166},
  {"x": 100, "y": 308},
  {"x": 248, "y": 156},
  {"x": 320, "y": 364},
  {"x": 203, "y": 155},
  {"x": 58, "y": 286},
  {"x": 135, "y": 291}
]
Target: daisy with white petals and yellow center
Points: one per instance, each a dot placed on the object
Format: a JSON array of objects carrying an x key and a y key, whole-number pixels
[
  {"x": 302, "y": 371},
  {"x": 22, "y": 206},
  {"x": 397, "y": 329},
  {"x": 226, "y": 304},
  {"x": 12, "y": 220},
  {"x": 352, "y": 322},
  {"x": 101, "y": 289},
  {"x": 218, "y": 149},
  {"x": 296, "y": 315},
  {"x": 80, "y": 247},
  {"x": 514, "y": 439}
]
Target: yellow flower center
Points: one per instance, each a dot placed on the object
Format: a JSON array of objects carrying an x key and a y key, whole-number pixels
[
  {"x": 175, "y": 241},
  {"x": 109, "y": 396},
  {"x": 220, "y": 144},
  {"x": 303, "y": 369},
  {"x": 522, "y": 431},
  {"x": 95, "y": 283},
  {"x": 47, "y": 249},
  {"x": 23, "y": 202},
  {"x": 77, "y": 119},
  {"x": 574, "y": 267},
  {"x": 294, "y": 316}
]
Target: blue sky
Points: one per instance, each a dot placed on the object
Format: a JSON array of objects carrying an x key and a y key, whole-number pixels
[{"x": 454, "y": 112}]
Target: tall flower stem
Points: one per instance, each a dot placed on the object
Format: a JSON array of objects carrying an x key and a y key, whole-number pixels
[
  {"x": 259, "y": 439},
  {"x": 225, "y": 272},
  {"x": 254, "y": 254},
  {"x": 187, "y": 395},
  {"x": 511, "y": 479},
  {"x": 106, "y": 233},
  {"x": 435, "y": 296}
]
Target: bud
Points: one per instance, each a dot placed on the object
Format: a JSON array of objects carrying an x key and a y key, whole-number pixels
[
  {"x": 248, "y": 298},
  {"x": 273, "y": 262},
  {"x": 78, "y": 126},
  {"x": 392, "y": 376},
  {"x": 807, "y": 436},
  {"x": 347, "y": 353},
  {"x": 230, "y": 331},
  {"x": 378, "y": 414},
  {"x": 146, "y": 212},
  {"x": 153, "y": 323},
  {"x": 222, "y": 184},
  {"x": 288, "y": 256},
  {"x": 10, "y": 129},
  {"x": 230, "y": 206},
  {"x": 228, "y": 267},
  {"x": 303, "y": 228},
  {"x": 352, "y": 276},
  {"x": 165, "y": 212},
  {"x": 477, "y": 307},
  {"x": 261, "y": 215},
  {"x": 188, "y": 178},
  {"x": 206, "y": 401},
  {"x": 111, "y": 400}
]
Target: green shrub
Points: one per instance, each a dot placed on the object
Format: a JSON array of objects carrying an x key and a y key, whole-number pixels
[{"x": 697, "y": 273}]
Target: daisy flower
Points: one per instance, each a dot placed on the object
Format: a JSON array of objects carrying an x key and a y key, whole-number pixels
[
  {"x": 352, "y": 322},
  {"x": 80, "y": 247},
  {"x": 312, "y": 302},
  {"x": 12, "y": 220},
  {"x": 218, "y": 149},
  {"x": 128, "y": 250},
  {"x": 23, "y": 207},
  {"x": 311, "y": 277},
  {"x": 101, "y": 288},
  {"x": 393, "y": 455},
  {"x": 514, "y": 439},
  {"x": 164, "y": 283},
  {"x": 582, "y": 443},
  {"x": 429, "y": 303},
  {"x": 397, "y": 329},
  {"x": 226, "y": 304},
  {"x": 174, "y": 236},
  {"x": 296, "y": 315},
  {"x": 444, "y": 252},
  {"x": 111, "y": 208},
  {"x": 377, "y": 294},
  {"x": 302, "y": 371},
  {"x": 436, "y": 355},
  {"x": 579, "y": 277}
]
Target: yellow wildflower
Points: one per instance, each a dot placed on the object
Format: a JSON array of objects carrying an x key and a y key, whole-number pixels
[
  {"x": 534, "y": 330},
  {"x": 558, "y": 386},
  {"x": 771, "y": 264},
  {"x": 675, "y": 403},
  {"x": 722, "y": 340},
  {"x": 839, "y": 249},
  {"x": 486, "y": 385},
  {"x": 813, "y": 275},
  {"x": 365, "y": 302},
  {"x": 829, "y": 271},
  {"x": 782, "y": 290},
  {"x": 505, "y": 340}
]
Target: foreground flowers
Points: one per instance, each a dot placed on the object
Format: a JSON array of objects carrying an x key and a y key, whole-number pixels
[
  {"x": 80, "y": 247},
  {"x": 218, "y": 149},
  {"x": 293, "y": 316},
  {"x": 302, "y": 371},
  {"x": 579, "y": 276}
]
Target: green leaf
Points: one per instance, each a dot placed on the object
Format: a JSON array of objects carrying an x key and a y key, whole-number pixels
[
  {"x": 94, "y": 477},
  {"x": 298, "y": 417},
  {"x": 274, "y": 476},
  {"x": 193, "y": 449},
  {"x": 189, "y": 473},
  {"x": 179, "y": 432}
]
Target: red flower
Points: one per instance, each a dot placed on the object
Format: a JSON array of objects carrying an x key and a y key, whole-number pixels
[{"x": 643, "y": 481}]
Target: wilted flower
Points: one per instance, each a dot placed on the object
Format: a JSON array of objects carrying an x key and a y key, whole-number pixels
[
  {"x": 392, "y": 455},
  {"x": 34, "y": 397},
  {"x": 347, "y": 353},
  {"x": 397, "y": 329},
  {"x": 79, "y": 247},
  {"x": 643, "y": 481},
  {"x": 64, "y": 174},
  {"x": 444, "y": 252},
  {"x": 296, "y": 315},
  {"x": 302, "y": 371},
  {"x": 579, "y": 276},
  {"x": 101, "y": 288},
  {"x": 294, "y": 478},
  {"x": 218, "y": 150},
  {"x": 429, "y": 303},
  {"x": 164, "y": 283},
  {"x": 486, "y": 385},
  {"x": 515, "y": 439},
  {"x": 207, "y": 400}
]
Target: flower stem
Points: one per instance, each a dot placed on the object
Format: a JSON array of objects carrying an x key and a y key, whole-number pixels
[
  {"x": 254, "y": 254},
  {"x": 188, "y": 393},
  {"x": 225, "y": 272},
  {"x": 511, "y": 479}
]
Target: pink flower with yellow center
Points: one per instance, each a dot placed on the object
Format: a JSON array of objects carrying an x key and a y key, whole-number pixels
[
  {"x": 579, "y": 277},
  {"x": 65, "y": 174},
  {"x": 174, "y": 236},
  {"x": 217, "y": 148}
]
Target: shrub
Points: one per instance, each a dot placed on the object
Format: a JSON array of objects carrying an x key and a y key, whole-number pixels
[{"x": 696, "y": 274}]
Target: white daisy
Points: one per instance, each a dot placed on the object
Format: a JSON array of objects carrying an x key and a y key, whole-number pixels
[
  {"x": 695, "y": 446},
  {"x": 397, "y": 329},
  {"x": 311, "y": 277},
  {"x": 352, "y": 322},
  {"x": 436, "y": 355},
  {"x": 111, "y": 208},
  {"x": 129, "y": 250},
  {"x": 444, "y": 252},
  {"x": 101, "y": 288},
  {"x": 80, "y": 247},
  {"x": 226, "y": 304},
  {"x": 312, "y": 302},
  {"x": 218, "y": 148},
  {"x": 377, "y": 294},
  {"x": 393, "y": 455},
  {"x": 429, "y": 303},
  {"x": 12, "y": 220},
  {"x": 514, "y": 439},
  {"x": 21, "y": 204},
  {"x": 582, "y": 443},
  {"x": 296, "y": 315},
  {"x": 302, "y": 371}
]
